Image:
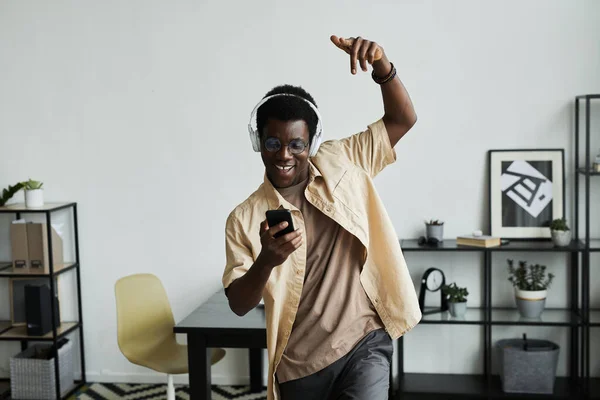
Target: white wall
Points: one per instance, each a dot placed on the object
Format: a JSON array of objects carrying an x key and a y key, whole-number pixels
[{"x": 137, "y": 110}]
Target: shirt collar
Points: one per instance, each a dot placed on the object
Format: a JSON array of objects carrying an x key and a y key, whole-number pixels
[{"x": 273, "y": 196}]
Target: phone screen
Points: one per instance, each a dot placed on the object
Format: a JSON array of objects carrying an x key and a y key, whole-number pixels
[{"x": 274, "y": 217}]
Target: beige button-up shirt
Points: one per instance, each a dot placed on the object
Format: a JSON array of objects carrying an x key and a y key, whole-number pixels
[{"x": 340, "y": 185}]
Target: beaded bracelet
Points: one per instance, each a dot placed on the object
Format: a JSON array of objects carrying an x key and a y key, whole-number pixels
[{"x": 387, "y": 78}]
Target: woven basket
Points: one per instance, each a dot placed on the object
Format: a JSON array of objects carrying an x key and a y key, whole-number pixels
[{"x": 35, "y": 379}]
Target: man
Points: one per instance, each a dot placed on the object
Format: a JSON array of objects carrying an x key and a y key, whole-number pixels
[{"x": 336, "y": 289}]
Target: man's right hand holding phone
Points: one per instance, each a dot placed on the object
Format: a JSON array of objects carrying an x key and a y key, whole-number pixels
[{"x": 276, "y": 250}]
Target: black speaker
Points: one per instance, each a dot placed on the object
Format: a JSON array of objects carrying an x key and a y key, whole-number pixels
[{"x": 38, "y": 310}]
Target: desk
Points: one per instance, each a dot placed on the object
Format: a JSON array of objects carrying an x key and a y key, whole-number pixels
[{"x": 213, "y": 324}]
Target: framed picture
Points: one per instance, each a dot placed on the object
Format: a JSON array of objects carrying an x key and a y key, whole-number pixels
[{"x": 527, "y": 191}]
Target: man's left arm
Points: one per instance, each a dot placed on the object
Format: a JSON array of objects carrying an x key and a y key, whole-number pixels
[{"x": 399, "y": 113}]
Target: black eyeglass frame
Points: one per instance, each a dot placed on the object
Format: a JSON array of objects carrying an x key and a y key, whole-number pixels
[{"x": 278, "y": 145}]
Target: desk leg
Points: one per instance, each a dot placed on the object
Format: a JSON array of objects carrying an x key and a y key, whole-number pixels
[
  {"x": 256, "y": 370},
  {"x": 199, "y": 368}
]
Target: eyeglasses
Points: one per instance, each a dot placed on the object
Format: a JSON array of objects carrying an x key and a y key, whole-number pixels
[{"x": 295, "y": 146}]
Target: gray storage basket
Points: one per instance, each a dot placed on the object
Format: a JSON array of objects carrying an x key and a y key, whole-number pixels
[
  {"x": 34, "y": 378},
  {"x": 530, "y": 370}
]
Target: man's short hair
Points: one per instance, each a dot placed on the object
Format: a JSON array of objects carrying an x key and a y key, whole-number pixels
[{"x": 288, "y": 108}]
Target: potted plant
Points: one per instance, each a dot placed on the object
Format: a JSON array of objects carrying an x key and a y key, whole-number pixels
[
  {"x": 531, "y": 285},
  {"x": 9, "y": 192},
  {"x": 457, "y": 299},
  {"x": 561, "y": 234},
  {"x": 34, "y": 195},
  {"x": 434, "y": 228}
]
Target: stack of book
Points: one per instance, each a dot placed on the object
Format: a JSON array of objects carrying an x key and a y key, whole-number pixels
[{"x": 478, "y": 241}]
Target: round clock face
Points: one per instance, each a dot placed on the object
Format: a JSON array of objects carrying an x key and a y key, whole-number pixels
[{"x": 435, "y": 280}]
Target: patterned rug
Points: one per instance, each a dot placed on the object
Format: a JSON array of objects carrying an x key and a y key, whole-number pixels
[{"x": 124, "y": 391}]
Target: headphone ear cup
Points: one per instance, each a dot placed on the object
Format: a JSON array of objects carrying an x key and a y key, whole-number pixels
[
  {"x": 316, "y": 143},
  {"x": 254, "y": 139}
]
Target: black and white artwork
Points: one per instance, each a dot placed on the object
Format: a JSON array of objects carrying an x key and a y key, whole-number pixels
[{"x": 526, "y": 192}]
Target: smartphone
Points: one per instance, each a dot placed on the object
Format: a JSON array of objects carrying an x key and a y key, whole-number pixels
[{"x": 275, "y": 217}]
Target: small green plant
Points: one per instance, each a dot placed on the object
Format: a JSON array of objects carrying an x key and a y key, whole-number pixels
[
  {"x": 32, "y": 185},
  {"x": 434, "y": 222},
  {"x": 454, "y": 293},
  {"x": 9, "y": 192},
  {"x": 532, "y": 277},
  {"x": 559, "y": 224}
]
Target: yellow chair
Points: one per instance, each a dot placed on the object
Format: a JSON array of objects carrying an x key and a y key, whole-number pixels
[{"x": 145, "y": 328}]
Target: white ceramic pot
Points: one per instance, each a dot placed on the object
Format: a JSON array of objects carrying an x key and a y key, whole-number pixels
[
  {"x": 34, "y": 198},
  {"x": 530, "y": 303},
  {"x": 457, "y": 310},
  {"x": 561, "y": 238}
]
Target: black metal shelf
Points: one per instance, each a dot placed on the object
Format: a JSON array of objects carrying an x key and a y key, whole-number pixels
[
  {"x": 563, "y": 389},
  {"x": 590, "y": 173},
  {"x": 539, "y": 246},
  {"x": 447, "y": 386},
  {"x": 19, "y": 333},
  {"x": 594, "y": 244},
  {"x": 473, "y": 316},
  {"x": 504, "y": 316},
  {"x": 549, "y": 317},
  {"x": 6, "y": 271},
  {"x": 514, "y": 245},
  {"x": 446, "y": 245},
  {"x": 48, "y": 207},
  {"x": 583, "y": 176},
  {"x": 588, "y": 96},
  {"x": 456, "y": 386}
]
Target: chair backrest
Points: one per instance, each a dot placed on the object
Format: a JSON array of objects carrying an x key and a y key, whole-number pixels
[{"x": 144, "y": 316}]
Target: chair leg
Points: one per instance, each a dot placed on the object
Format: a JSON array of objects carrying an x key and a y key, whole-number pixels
[{"x": 170, "y": 388}]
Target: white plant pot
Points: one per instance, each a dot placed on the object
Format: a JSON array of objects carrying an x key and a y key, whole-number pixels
[
  {"x": 530, "y": 303},
  {"x": 34, "y": 198},
  {"x": 457, "y": 310},
  {"x": 561, "y": 238}
]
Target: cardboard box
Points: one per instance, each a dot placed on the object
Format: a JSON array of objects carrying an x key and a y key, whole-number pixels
[
  {"x": 37, "y": 243},
  {"x": 19, "y": 247}
]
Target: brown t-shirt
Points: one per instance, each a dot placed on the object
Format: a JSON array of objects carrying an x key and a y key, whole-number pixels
[{"x": 334, "y": 313}]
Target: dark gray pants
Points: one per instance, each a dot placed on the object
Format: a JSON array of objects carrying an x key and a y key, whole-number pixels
[{"x": 362, "y": 374}]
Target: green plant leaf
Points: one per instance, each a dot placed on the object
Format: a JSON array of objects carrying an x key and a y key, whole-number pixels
[
  {"x": 532, "y": 277},
  {"x": 7, "y": 194},
  {"x": 32, "y": 185}
]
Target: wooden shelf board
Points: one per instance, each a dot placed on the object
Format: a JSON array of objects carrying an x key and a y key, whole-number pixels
[
  {"x": 20, "y": 332},
  {"x": 20, "y": 207},
  {"x": 7, "y": 270}
]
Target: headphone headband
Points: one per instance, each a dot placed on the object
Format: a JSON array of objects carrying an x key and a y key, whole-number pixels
[{"x": 255, "y": 135}]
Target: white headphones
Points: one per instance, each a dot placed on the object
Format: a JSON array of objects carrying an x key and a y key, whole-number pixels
[{"x": 255, "y": 135}]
